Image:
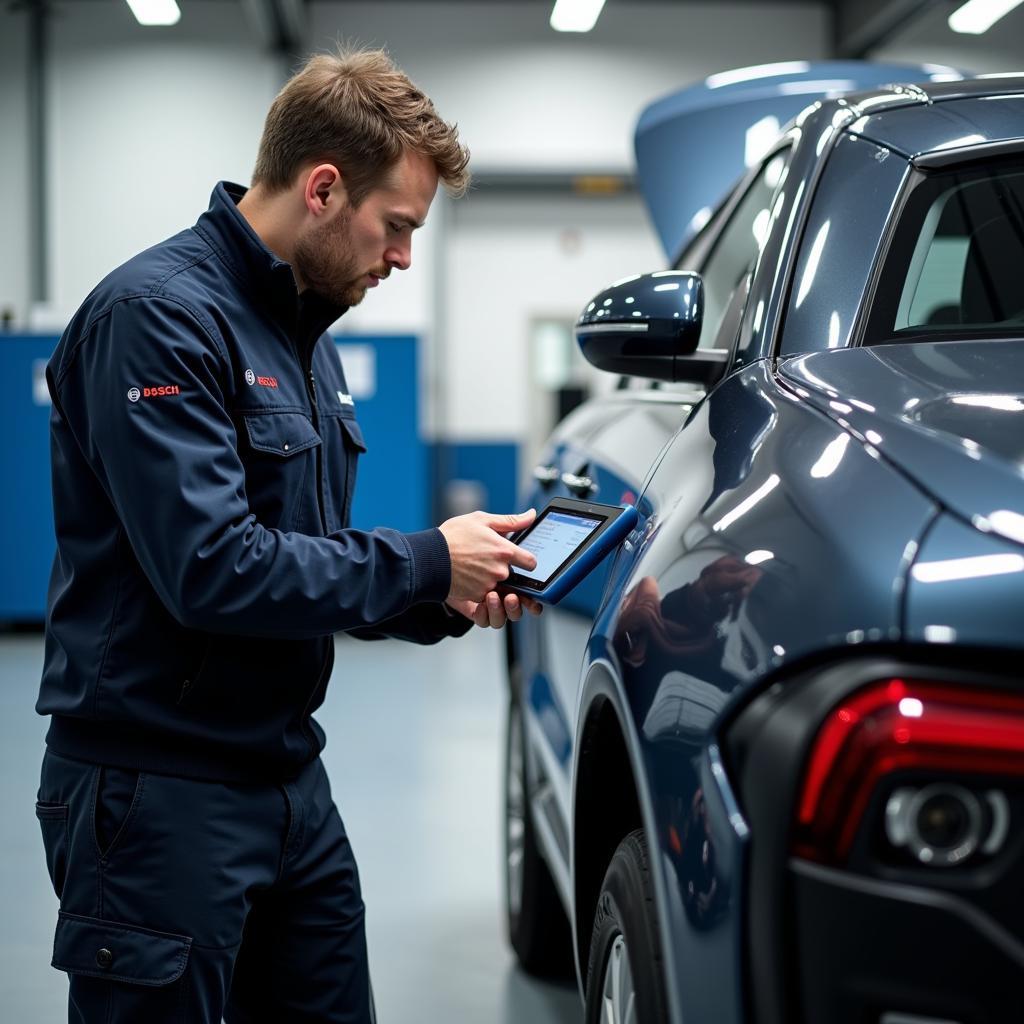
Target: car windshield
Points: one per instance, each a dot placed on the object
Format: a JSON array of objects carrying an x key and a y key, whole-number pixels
[{"x": 954, "y": 266}]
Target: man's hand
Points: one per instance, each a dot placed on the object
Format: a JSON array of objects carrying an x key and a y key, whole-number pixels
[
  {"x": 493, "y": 611},
  {"x": 481, "y": 555}
]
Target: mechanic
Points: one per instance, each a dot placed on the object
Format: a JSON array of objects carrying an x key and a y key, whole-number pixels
[{"x": 204, "y": 447}]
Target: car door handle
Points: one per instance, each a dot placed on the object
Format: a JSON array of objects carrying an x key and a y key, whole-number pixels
[
  {"x": 581, "y": 486},
  {"x": 546, "y": 475}
]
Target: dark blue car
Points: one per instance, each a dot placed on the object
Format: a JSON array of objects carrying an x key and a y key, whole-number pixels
[{"x": 766, "y": 764}]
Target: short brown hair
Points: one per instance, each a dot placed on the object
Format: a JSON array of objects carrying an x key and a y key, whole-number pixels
[{"x": 356, "y": 110}]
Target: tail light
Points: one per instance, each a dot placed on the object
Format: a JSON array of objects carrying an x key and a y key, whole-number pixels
[{"x": 959, "y": 737}]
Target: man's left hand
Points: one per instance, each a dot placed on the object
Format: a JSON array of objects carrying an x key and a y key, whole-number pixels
[{"x": 494, "y": 611}]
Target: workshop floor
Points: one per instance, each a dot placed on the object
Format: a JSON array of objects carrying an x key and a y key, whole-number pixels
[{"x": 414, "y": 756}]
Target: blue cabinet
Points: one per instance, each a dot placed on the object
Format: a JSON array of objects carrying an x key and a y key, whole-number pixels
[{"x": 26, "y": 519}]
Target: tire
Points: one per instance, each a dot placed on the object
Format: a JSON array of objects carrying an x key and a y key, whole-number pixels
[
  {"x": 625, "y": 980},
  {"x": 538, "y": 928}
]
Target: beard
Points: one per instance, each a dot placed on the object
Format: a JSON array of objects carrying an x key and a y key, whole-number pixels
[{"x": 326, "y": 264}]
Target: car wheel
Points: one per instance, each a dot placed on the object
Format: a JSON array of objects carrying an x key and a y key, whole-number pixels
[
  {"x": 624, "y": 976},
  {"x": 537, "y": 926}
]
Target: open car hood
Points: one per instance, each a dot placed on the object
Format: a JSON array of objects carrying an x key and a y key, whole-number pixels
[{"x": 692, "y": 145}]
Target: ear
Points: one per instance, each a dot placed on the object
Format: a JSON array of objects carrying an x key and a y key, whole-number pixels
[{"x": 324, "y": 191}]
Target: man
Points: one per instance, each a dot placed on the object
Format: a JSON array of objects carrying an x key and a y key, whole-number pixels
[{"x": 204, "y": 449}]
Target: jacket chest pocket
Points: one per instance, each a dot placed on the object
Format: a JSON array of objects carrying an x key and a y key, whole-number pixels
[
  {"x": 344, "y": 444},
  {"x": 280, "y": 459}
]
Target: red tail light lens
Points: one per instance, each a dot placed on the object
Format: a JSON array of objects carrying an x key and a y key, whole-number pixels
[{"x": 898, "y": 725}]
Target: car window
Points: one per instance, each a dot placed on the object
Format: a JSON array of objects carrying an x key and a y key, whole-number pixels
[
  {"x": 841, "y": 239},
  {"x": 738, "y": 247},
  {"x": 953, "y": 268},
  {"x": 725, "y": 274}
]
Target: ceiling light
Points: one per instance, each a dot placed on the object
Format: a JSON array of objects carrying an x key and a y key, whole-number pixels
[
  {"x": 575, "y": 15},
  {"x": 155, "y": 12},
  {"x": 977, "y": 16}
]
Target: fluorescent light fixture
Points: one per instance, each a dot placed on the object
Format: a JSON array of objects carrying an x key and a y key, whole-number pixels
[
  {"x": 759, "y": 556},
  {"x": 575, "y": 15},
  {"x": 977, "y": 16},
  {"x": 155, "y": 12}
]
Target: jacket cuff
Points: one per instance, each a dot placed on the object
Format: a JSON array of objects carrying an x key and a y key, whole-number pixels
[
  {"x": 431, "y": 566},
  {"x": 456, "y": 623}
]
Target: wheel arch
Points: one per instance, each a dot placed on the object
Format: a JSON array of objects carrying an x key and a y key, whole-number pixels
[{"x": 610, "y": 800}]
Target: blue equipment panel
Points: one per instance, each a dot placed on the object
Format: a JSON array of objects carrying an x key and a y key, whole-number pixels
[
  {"x": 26, "y": 522},
  {"x": 382, "y": 373}
]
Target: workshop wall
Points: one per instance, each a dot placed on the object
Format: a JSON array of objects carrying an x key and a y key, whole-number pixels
[
  {"x": 143, "y": 122},
  {"x": 14, "y": 169}
]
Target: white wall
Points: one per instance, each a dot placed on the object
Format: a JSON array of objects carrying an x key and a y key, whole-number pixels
[
  {"x": 143, "y": 122},
  {"x": 14, "y": 166},
  {"x": 510, "y": 261}
]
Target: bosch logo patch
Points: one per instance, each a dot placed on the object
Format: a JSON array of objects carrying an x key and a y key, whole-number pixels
[
  {"x": 134, "y": 394},
  {"x": 264, "y": 382}
]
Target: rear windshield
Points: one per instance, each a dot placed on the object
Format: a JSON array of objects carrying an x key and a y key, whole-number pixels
[{"x": 955, "y": 267}]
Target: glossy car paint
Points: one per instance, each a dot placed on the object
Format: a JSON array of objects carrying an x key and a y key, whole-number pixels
[
  {"x": 945, "y": 413},
  {"x": 964, "y": 587},
  {"x": 804, "y": 511}
]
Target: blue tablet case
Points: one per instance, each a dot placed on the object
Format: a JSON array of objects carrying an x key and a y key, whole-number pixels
[{"x": 588, "y": 560}]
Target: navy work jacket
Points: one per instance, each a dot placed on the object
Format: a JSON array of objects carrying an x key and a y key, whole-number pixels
[{"x": 204, "y": 448}]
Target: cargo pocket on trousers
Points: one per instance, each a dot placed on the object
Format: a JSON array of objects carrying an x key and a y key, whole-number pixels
[
  {"x": 119, "y": 952},
  {"x": 53, "y": 820}
]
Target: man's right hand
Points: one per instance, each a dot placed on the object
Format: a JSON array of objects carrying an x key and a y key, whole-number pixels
[{"x": 481, "y": 555}]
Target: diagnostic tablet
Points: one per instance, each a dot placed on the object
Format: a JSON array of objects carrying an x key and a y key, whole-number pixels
[{"x": 569, "y": 538}]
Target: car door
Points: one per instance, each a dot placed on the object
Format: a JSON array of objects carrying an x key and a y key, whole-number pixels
[
  {"x": 605, "y": 451},
  {"x": 602, "y": 452}
]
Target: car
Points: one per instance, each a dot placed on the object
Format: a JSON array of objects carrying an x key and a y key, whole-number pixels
[{"x": 766, "y": 763}]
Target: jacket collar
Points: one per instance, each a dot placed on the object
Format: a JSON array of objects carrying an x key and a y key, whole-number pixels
[{"x": 266, "y": 278}]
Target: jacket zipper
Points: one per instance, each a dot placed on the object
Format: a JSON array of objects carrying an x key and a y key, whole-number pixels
[{"x": 311, "y": 391}]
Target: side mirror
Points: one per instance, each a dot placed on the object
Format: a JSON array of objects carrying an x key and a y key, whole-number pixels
[{"x": 649, "y": 326}]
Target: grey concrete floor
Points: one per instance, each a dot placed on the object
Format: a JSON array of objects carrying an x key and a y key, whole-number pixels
[{"x": 414, "y": 755}]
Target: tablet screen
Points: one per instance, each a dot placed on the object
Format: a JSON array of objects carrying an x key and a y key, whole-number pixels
[{"x": 555, "y": 538}]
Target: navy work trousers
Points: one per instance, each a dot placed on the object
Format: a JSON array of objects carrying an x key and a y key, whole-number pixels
[{"x": 187, "y": 901}]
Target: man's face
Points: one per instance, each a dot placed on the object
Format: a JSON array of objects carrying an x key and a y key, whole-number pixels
[{"x": 360, "y": 246}]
